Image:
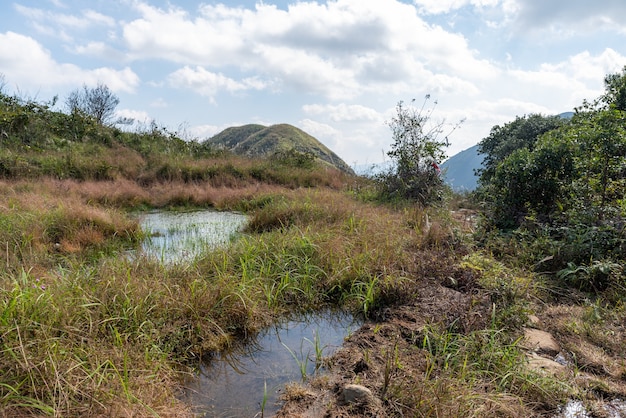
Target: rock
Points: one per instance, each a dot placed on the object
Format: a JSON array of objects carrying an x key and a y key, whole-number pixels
[
  {"x": 542, "y": 364},
  {"x": 357, "y": 394},
  {"x": 540, "y": 342},
  {"x": 534, "y": 321}
]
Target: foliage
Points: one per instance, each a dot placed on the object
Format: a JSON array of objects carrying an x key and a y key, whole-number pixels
[
  {"x": 38, "y": 141},
  {"x": 294, "y": 158},
  {"x": 564, "y": 191},
  {"x": 97, "y": 102},
  {"x": 615, "y": 90},
  {"x": 415, "y": 154},
  {"x": 575, "y": 169},
  {"x": 522, "y": 133}
]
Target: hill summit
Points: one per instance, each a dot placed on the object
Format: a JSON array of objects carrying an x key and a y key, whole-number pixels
[{"x": 264, "y": 141}]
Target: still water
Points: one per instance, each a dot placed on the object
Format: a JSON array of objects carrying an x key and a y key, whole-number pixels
[
  {"x": 181, "y": 236},
  {"x": 236, "y": 384},
  {"x": 248, "y": 380}
]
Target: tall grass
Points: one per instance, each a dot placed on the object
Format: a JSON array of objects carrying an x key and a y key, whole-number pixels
[{"x": 89, "y": 331}]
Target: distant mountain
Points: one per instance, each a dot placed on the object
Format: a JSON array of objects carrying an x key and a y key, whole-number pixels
[
  {"x": 263, "y": 141},
  {"x": 459, "y": 169}
]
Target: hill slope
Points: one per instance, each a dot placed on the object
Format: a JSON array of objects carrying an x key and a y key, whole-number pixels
[
  {"x": 261, "y": 141},
  {"x": 459, "y": 169}
]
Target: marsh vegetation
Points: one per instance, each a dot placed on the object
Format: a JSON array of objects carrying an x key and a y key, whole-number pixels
[{"x": 86, "y": 330}]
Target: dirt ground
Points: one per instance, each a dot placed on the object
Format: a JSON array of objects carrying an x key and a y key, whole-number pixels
[
  {"x": 367, "y": 376},
  {"x": 381, "y": 353}
]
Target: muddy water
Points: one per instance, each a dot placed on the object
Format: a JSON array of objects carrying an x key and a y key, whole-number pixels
[
  {"x": 180, "y": 236},
  {"x": 236, "y": 384}
]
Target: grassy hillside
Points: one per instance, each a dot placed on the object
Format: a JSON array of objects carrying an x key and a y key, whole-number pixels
[
  {"x": 256, "y": 141},
  {"x": 39, "y": 142},
  {"x": 230, "y": 137}
]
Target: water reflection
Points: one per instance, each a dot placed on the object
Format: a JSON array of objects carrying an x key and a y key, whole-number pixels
[
  {"x": 235, "y": 384},
  {"x": 181, "y": 236},
  {"x": 615, "y": 408}
]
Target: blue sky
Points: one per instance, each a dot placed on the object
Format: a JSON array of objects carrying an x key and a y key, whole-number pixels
[{"x": 335, "y": 69}]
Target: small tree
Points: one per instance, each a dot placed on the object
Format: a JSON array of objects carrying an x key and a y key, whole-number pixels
[
  {"x": 522, "y": 133},
  {"x": 417, "y": 150},
  {"x": 615, "y": 90},
  {"x": 98, "y": 102}
]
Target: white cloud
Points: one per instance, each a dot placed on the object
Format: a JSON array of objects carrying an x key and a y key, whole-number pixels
[
  {"x": 98, "y": 18},
  {"x": 47, "y": 20},
  {"x": 99, "y": 49},
  {"x": 585, "y": 66},
  {"x": 560, "y": 15},
  {"x": 318, "y": 129},
  {"x": 340, "y": 49},
  {"x": 447, "y": 6},
  {"x": 209, "y": 84},
  {"x": 205, "y": 131},
  {"x": 139, "y": 116},
  {"x": 351, "y": 147},
  {"x": 343, "y": 112},
  {"x": 37, "y": 64}
]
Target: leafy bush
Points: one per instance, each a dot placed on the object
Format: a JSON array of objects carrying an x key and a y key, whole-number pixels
[
  {"x": 294, "y": 158},
  {"x": 563, "y": 192},
  {"x": 416, "y": 152}
]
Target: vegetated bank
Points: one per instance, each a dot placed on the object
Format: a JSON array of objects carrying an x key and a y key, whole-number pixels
[{"x": 88, "y": 332}]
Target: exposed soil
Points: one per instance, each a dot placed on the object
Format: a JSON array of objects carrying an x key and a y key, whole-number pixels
[
  {"x": 383, "y": 352},
  {"x": 384, "y": 358}
]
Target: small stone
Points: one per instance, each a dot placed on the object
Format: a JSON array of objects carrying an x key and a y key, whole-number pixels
[
  {"x": 561, "y": 360},
  {"x": 540, "y": 342},
  {"x": 356, "y": 394},
  {"x": 533, "y": 320},
  {"x": 541, "y": 364}
]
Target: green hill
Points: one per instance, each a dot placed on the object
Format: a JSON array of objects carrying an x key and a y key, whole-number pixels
[{"x": 261, "y": 141}]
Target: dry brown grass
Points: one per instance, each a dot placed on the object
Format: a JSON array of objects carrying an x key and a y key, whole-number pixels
[
  {"x": 47, "y": 217},
  {"x": 137, "y": 317},
  {"x": 129, "y": 194}
]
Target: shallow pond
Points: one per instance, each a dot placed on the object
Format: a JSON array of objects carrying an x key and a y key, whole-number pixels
[
  {"x": 181, "y": 236},
  {"x": 236, "y": 384}
]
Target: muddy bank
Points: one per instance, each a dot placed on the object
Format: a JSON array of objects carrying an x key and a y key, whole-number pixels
[
  {"x": 394, "y": 367},
  {"x": 383, "y": 354}
]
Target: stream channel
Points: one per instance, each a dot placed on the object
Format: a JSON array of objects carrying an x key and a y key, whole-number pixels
[{"x": 249, "y": 380}]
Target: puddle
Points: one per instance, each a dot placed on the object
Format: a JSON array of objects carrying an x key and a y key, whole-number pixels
[
  {"x": 574, "y": 409},
  {"x": 615, "y": 408},
  {"x": 181, "y": 236},
  {"x": 236, "y": 384}
]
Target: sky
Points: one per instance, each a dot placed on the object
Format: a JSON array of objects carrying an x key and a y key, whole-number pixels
[{"x": 336, "y": 69}]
